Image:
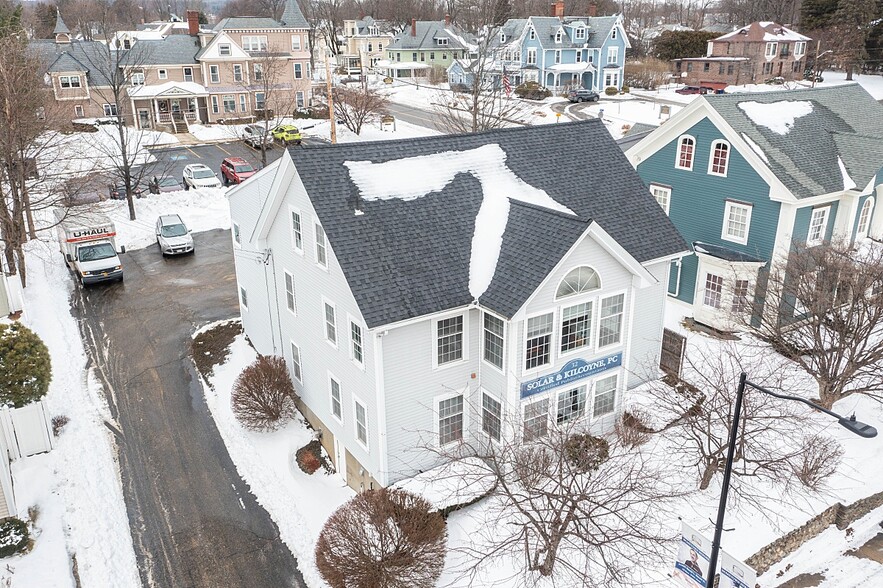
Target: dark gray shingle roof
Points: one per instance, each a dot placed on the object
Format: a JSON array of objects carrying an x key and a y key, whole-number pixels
[
  {"x": 408, "y": 259},
  {"x": 246, "y": 22},
  {"x": 172, "y": 50},
  {"x": 845, "y": 122},
  {"x": 427, "y": 33},
  {"x": 89, "y": 57},
  {"x": 292, "y": 16}
]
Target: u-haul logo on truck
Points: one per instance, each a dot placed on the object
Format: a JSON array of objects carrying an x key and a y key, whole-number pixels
[{"x": 90, "y": 234}]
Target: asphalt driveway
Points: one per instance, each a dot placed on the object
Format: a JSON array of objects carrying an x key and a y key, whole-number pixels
[{"x": 194, "y": 522}]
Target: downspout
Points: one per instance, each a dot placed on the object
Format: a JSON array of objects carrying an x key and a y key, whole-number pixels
[
  {"x": 267, "y": 255},
  {"x": 677, "y": 291}
]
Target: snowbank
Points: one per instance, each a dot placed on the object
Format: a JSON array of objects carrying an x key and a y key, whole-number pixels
[{"x": 452, "y": 484}]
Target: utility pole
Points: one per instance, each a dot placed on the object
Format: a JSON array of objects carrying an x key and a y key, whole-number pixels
[
  {"x": 330, "y": 98},
  {"x": 815, "y": 64}
]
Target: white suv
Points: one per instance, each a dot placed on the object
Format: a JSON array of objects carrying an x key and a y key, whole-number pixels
[
  {"x": 253, "y": 135},
  {"x": 197, "y": 175},
  {"x": 172, "y": 235}
]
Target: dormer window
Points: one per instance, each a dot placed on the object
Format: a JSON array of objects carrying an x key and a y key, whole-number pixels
[
  {"x": 224, "y": 49},
  {"x": 442, "y": 41},
  {"x": 502, "y": 37},
  {"x": 532, "y": 34},
  {"x": 579, "y": 33},
  {"x": 613, "y": 33},
  {"x": 559, "y": 35}
]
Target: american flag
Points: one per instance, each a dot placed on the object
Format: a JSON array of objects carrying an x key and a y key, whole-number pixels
[{"x": 507, "y": 85}]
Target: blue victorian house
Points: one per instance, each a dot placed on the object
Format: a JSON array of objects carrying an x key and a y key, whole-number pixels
[{"x": 743, "y": 176}]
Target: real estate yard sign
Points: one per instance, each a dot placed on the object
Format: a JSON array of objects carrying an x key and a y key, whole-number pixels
[
  {"x": 691, "y": 566},
  {"x": 735, "y": 574}
]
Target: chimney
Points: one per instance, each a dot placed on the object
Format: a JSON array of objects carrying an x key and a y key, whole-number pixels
[
  {"x": 558, "y": 8},
  {"x": 447, "y": 20},
  {"x": 193, "y": 22},
  {"x": 413, "y": 27},
  {"x": 593, "y": 9}
]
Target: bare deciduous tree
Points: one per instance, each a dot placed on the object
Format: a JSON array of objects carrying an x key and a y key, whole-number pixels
[
  {"x": 823, "y": 310},
  {"x": 382, "y": 538},
  {"x": 356, "y": 106},
  {"x": 263, "y": 396}
]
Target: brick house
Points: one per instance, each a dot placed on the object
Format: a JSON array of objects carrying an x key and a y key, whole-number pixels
[
  {"x": 203, "y": 76},
  {"x": 750, "y": 55}
]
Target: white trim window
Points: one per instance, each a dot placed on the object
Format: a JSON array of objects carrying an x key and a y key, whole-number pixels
[
  {"x": 612, "y": 55},
  {"x": 254, "y": 42},
  {"x": 290, "y": 300},
  {"x": 330, "y": 322},
  {"x": 538, "y": 341},
  {"x": 799, "y": 49},
  {"x": 604, "y": 397},
  {"x": 321, "y": 246},
  {"x": 243, "y": 297},
  {"x": 610, "y": 325},
  {"x": 719, "y": 159},
  {"x": 74, "y": 81},
  {"x": 188, "y": 74},
  {"x": 737, "y": 222},
  {"x": 361, "y": 423},
  {"x": 296, "y": 369},
  {"x": 491, "y": 416},
  {"x": 576, "y": 326},
  {"x": 229, "y": 103},
  {"x": 215, "y": 108},
  {"x": 258, "y": 71},
  {"x": 579, "y": 33},
  {"x": 242, "y": 103},
  {"x": 162, "y": 74},
  {"x": 214, "y": 73},
  {"x": 224, "y": 49},
  {"x": 299, "y": 99},
  {"x": 237, "y": 234},
  {"x": 611, "y": 78},
  {"x": 336, "y": 402},
  {"x": 357, "y": 350},
  {"x": 714, "y": 290},
  {"x": 110, "y": 109},
  {"x": 578, "y": 281},
  {"x": 864, "y": 218},
  {"x": 535, "y": 422},
  {"x": 449, "y": 339},
  {"x": 137, "y": 78},
  {"x": 298, "y": 71},
  {"x": 571, "y": 405},
  {"x": 295, "y": 42},
  {"x": 662, "y": 195},
  {"x": 78, "y": 111},
  {"x": 558, "y": 36},
  {"x": 771, "y": 50},
  {"x": 297, "y": 234},
  {"x": 450, "y": 420},
  {"x": 818, "y": 225},
  {"x": 686, "y": 149},
  {"x": 531, "y": 56},
  {"x": 558, "y": 56},
  {"x": 493, "y": 339},
  {"x": 237, "y": 72}
]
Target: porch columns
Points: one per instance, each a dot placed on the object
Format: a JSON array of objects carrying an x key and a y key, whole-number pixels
[{"x": 156, "y": 112}]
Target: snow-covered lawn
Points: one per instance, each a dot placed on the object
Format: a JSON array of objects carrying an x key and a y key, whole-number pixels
[{"x": 298, "y": 503}]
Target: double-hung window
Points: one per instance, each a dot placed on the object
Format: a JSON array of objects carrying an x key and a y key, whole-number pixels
[
  {"x": 188, "y": 74},
  {"x": 298, "y": 71},
  {"x": 356, "y": 345},
  {"x": 576, "y": 326},
  {"x": 296, "y": 370},
  {"x": 536, "y": 420},
  {"x": 771, "y": 49},
  {"x": 242, "y": 103},
  {"x": 662, "y": 195},
  {"x": 361, "y": 423},
  {"x": 493, "y": 340},
  {"x": 531, "y": 56},
  {"x": 237, "y": 73},
  {"x": 295, "y": 42},
  {"x": 720, "y": 153},
  {"x": 714, "y": 290},
  {"x": 138, "y": 78},
  {"x": 449, "y": 340},
  {"x": 254, "y": 42},
  {"x": 214, "y": 73},
  {"x": 290, "y": 301},
  {"x": 243, "y": 297},
  {"x": 605, "y": 395},
  {"x": 818, "y": 225},
  {"x": 330, "y": 324},
  {"x": 538, "y": 345},
  {"x": 491, "y": 416},
  {"x": 163, "y": 74},
  {"x": 258, "y": 71},
  {"x": 610, "y": 325},
  {"x": 336, "y": 404},
  {"x": 579, "y": 33},
  {"x": 558, "y": 56},
  {"x": 740, "y": 296},
  {"x": 612, "y": 55},
  {"x": 571, "y": 404},
  {"x": 686, "y": 147},
  {"x": 737, "y": 222},
  {"x": 450, "y": 420},
  {"x": 229, "y": 104},
  {"x": 215, "y": 108},
  {"x": 321, "y": 247}
]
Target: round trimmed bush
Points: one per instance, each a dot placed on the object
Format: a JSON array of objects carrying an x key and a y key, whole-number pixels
[
  {"x": 385, "y": 538},
  {"x": 532, "y": 91},
  {"x": 585, "y": 453},
  {"x": 14, "y": 536},
  {"x": 625, "y": 89},
  {"x": 611, "y": 90},
  {"x": 263, "y": 395},
  {"x": 25, "y": 367}
]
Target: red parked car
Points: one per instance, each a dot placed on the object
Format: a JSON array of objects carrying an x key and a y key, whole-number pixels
[{"x": 236, "y": 170}]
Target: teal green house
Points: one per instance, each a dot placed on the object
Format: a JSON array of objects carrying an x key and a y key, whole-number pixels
[{"x": 743, "y": 176}]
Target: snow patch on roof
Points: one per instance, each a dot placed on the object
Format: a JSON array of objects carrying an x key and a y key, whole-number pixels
[
  {"x": 779, "y": 116},
  {"x": 457, "y": 482},
  {"x": 755, "y": 147},
  {"x": 420, "y": 176},
  {"x": 848, "y": 182}
]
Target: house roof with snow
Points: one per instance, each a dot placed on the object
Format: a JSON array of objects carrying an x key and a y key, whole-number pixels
[
  {"x": 402, "y": 217},
  {"x": 762, "y": 32},
  {"x": 427, "y": 33},
  {"x": 171, "y": 50},
  {"x": 816, "y": 141}
]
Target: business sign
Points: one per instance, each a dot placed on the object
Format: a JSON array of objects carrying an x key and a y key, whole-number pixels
[
  {"x": 735, "y": 574},
  {"x": 691, "y": 566},
  {"x": 572, "y": 371}
]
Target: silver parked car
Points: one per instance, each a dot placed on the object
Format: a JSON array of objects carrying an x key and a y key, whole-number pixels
[
  {"x": 172, "y": 235},
  {"x": 253, "y": 135}
]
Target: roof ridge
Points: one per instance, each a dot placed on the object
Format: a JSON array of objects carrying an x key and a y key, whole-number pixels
[{"x": 559, "y": 213}]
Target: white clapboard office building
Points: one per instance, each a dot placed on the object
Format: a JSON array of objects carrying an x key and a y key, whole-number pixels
[{"x": 425, "y": 290}]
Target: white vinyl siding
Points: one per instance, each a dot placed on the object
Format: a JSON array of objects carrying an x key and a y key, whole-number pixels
[
  {"x": 330, "y": 323},
  {"x": 361, "y": 423},
  {"x": 296, "y": 369}
]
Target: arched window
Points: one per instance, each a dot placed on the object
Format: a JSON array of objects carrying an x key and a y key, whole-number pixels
[
  {"x": 686, "y": 146},
  {"x": 577, "y": 281},
  {"x": 720, "y": 155},
  {"x": 864, "y": 217}
]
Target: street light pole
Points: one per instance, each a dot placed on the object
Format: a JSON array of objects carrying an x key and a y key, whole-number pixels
[{"x": 849, "y": 423}]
